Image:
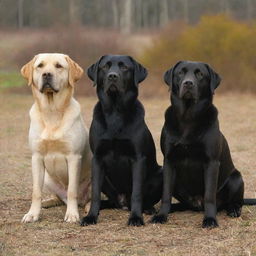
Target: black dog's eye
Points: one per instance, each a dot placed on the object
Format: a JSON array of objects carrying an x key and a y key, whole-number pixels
[
  {"x": 124, "y": 68},
  {"x": 106, "y": 66},
  {"x": 181, "y": 73},
  {"x": 199, "y": 74},
  {"x": 58, "y": 65},
  {"x": 40, "y": 65}
]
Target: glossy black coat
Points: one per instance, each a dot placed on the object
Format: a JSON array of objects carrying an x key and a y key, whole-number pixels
[
  {"x": 124, "y": 165},
  {"x": 198, "y": 169}
]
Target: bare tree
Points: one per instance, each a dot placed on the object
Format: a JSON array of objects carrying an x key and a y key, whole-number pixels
[
  {"x": 145, "y": 20},
  {"x": 164, "y": 13},
  {"x": 115, "y": 13},
  {"x": 126, "y": 15},
  {"x": 185, "y": 11},
  {"x": 225, "y": 6},
  {"x": 20, "y": 13},
  {"x": 74, "y": 13},
  {"x": 126, "y": 21},
  {"x": 249, "y": 9}
]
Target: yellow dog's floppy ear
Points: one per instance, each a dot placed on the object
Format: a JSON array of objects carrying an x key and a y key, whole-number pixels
[
  {"x": 27, "y": 71},
  {"x": 75, "y": 71}
]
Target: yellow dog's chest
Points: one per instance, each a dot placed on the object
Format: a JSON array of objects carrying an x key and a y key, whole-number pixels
[
  {"x": 46, "y": 146},
  {"x": 57, "y": 167}
]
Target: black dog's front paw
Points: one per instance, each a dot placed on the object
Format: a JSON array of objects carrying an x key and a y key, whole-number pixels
[
  {"x": 209, "y": 223},
  {"x": 159, "y": 219},
  {"x": 135, "y": 221},
  {"x": 234, "y": 212},
  {"x": 88, "y": 220}
]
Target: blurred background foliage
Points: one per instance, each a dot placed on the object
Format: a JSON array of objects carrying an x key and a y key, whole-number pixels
[
  {"x": 228, "y": 45},
  {"x": 126, "y": 15},
  {"x": 156, "y": 32}
]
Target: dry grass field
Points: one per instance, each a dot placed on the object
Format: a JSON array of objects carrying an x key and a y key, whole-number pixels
[{"x": 182, "y": 235}]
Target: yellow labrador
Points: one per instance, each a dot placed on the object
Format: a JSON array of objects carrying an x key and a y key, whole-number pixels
[{"x": 58, "y": 137}]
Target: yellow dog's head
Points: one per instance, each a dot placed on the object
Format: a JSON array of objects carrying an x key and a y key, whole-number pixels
[{"x": 51, "y": 72}]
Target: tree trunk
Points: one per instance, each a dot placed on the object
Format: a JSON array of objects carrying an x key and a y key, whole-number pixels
[
  {"x": 126, "y": 24},
  {"x": 74, "y": 14},
  {"x": 185, "y": 6},
  {"x": 164, "y": 15},
  {"x": 225, "y": 6},
  {"x": 20, "y": 13},
  {"x": 115, "y": 13},
  {"x": 145, "y": 14},
  {"x": 172, "y": 11},
  {"x": 249, "y": 9}
]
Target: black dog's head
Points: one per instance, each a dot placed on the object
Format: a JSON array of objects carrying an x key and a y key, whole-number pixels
[
  {"x": 192, "y": 80},
  {"x": 116, "y": 74}
]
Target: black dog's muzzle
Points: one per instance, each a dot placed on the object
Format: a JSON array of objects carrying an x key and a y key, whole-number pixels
[
  {"x": 188, "y": 90},
  {"x": 113, "y": 77},
  {"x": 113, "y": 83}
]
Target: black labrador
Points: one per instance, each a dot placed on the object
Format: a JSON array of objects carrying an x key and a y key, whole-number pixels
[
  {"x": 198, "y": 170},
  {"x": 124, "y": 165}
]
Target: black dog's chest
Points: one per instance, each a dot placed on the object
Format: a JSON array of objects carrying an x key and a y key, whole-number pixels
[
  {"x": 189, "y": 160},
  {"x": 117, "y": 156},
  {"x": 193, "y": 151},
  {"x": 115, "y": 148}
]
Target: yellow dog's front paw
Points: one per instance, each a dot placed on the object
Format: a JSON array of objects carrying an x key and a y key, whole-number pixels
[
  {"x": 72, "y": 217},
  {"x": 30, "y": 217}
]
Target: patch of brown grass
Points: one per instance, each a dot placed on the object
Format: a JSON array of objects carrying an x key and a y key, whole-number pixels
[{"x": 182, "y": 235}]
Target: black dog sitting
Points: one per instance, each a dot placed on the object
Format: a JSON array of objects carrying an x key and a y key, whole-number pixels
[
  {"x": 124, "y": 165},
  {"x": 198, "y": 169}
]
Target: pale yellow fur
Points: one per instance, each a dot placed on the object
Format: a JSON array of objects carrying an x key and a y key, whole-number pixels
[{"x": 58, "y": 137}]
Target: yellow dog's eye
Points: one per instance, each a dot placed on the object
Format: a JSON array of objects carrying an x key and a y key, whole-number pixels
[
  {"x": 40, "y": 65},
  {"x": 58, "y": 65}
]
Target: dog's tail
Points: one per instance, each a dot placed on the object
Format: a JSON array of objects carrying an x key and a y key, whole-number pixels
[{"x": 249, "y": 201}]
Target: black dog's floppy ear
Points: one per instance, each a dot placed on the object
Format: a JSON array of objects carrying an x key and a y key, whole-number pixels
[
  {"x": 140, "y": 73},
  {"x": 92, "y": 71},
  {"x": 215, "y": 78},
  {"x": 168, "y": 75}
]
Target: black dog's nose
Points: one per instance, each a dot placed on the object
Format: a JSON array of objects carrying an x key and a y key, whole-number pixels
[
  {"x": 188, "y": 84},
  {"x": 112, "y": 76},
  {"x": 47, "y": 75}
]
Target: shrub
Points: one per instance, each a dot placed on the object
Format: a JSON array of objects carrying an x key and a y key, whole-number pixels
[{"x": 227, "y": 45}]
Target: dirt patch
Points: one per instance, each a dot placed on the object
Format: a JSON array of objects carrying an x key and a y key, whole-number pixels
[{"x": 182, "y": 235}]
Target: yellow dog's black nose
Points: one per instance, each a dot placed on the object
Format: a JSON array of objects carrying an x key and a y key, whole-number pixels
[{"x": 47, "y": 75}]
